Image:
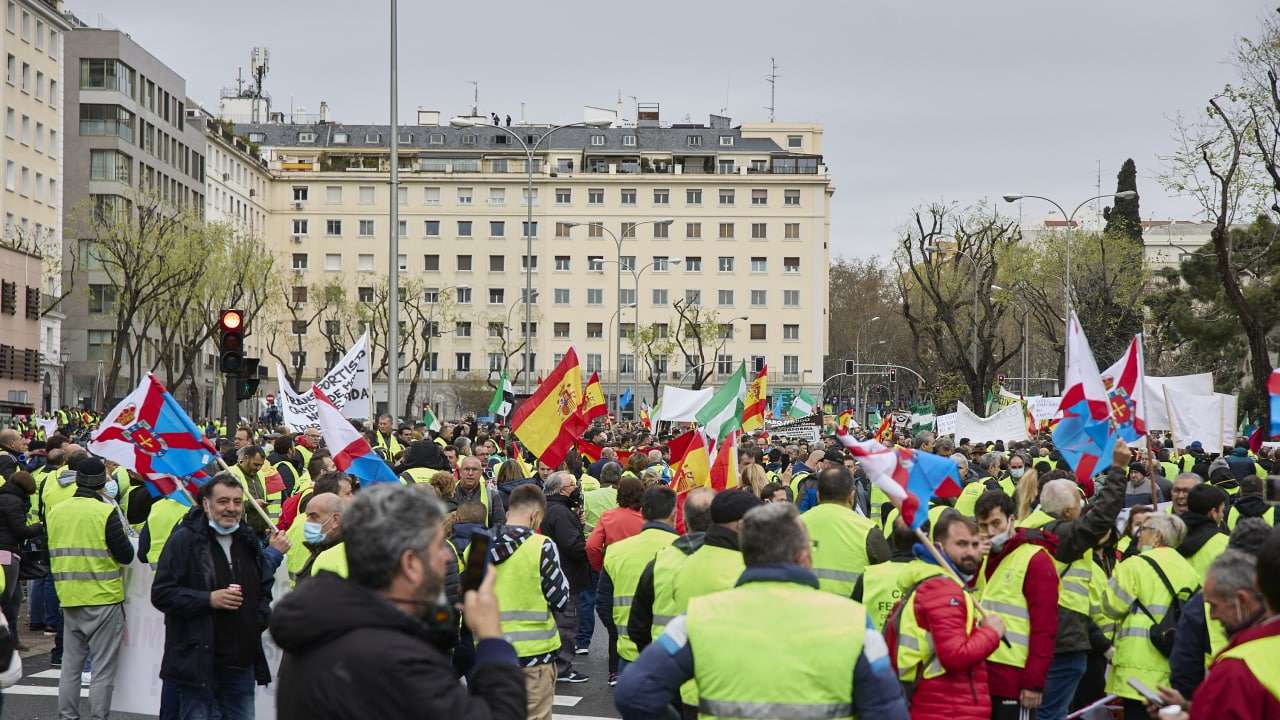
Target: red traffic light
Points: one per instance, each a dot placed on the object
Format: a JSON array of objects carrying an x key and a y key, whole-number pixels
[{"x": 232, "y": 320}]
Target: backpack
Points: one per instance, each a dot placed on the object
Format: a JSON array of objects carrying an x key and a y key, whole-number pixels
[{"x": 1162, "y": 633}]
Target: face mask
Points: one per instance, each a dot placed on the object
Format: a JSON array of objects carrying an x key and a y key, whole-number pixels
[
  {"x": 1016, "y": 472},
  {"x": 576, "y": 495},
  {"x": 111, "y": 489},
  {"x": 1145, "y": 548},
  {"x": 313, "y": 532},
  {"x": 998, "y": 541},
  {"x": 223, "y": 531}
]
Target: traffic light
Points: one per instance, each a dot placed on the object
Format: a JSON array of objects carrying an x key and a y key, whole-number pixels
[
  {"x": 1000, "y": 379},
  {"x": 848, "y": 367},
  {"x": 893, "y": 375},
  {"x": 249, "y": 380},
  {"x": 231, "y": 349}
]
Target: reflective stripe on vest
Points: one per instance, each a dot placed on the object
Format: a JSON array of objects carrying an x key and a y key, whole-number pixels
[
  {"x": 526, "y": 622},
  {"x": 708, "y": 570},
  {"x": 80, "y": 562},
  {"x": 625, "y": 562},
  {"x": 838, "y": 537},
  {"x": 820, "y": 645},
  {"x": 274, "y": 499},
  {"x": 1260, "y": 656},
  {"x": 1073, "y": 578},
  {"x": 1003, "y": 596},
  {"x": 915, "y": 644}
]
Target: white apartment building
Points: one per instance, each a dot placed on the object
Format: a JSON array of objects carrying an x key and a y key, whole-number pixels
[
  {"x": 32, "y": 42},
  {"x": 746, "y": 239}
]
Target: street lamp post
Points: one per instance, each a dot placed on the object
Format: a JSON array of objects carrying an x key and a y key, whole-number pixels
[
  {"x": 617, "y": 241},
  {"x": 1122, "y": 195},
  {"x": 528, "y": 229},
  {"x": 857, "y": 369},
  {"x": 393, "y": 270}
]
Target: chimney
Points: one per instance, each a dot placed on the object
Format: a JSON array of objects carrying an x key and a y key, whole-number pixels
[
  {"x": 720, "y": 122},
  {"x": 428, "y": 117},
  {"x": 324, "y": 111},
  {"x": 647, "y": 114}
]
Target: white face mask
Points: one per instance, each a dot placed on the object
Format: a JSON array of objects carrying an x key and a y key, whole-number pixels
[
  {"x": 1016, "y": 472},
  {"x": 111, "y": 489}
]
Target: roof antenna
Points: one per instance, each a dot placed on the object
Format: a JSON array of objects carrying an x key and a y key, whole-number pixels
[
  {"x": 725, "y": 110},
  {"x": 475, "y": 97},
  {"x": 772, "y": 79}
]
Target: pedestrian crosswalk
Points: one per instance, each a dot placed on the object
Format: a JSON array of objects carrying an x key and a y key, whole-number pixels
[{"x": 45, "y": 684}]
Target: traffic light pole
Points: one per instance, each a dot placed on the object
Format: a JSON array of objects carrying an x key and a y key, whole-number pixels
[{"x": 230, "y": 403}]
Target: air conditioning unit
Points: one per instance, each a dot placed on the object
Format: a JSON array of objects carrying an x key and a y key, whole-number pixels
[
  {"x": 297, "y": 305},
  {"x": 297, "y": 204},
  {"x": 298, "y": 270},
  {"x": 296, "y": 238}
]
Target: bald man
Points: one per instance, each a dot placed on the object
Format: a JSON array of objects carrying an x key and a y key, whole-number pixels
[
  {"x": 12, "y": 452},
  {"x": 323, "y": 528}
]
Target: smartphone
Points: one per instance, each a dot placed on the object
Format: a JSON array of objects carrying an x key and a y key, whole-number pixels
[
  {"x": 477, "y": 561},
  {"x": 1151, "y": 695},
  {"x": 1272, "y": 490}
]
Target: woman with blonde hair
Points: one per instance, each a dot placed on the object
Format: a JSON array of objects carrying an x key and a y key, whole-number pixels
[{"x": 753, "y": 476}]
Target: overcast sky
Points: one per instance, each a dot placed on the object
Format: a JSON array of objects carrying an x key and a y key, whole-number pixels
[{"x": 921, "y": 101}]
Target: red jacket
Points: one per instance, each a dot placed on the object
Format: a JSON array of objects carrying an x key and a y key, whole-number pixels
[
  {"x": 1231, "y": 692},
  {"x": 615, "y": 524},
  {"x": 1040, "y": 588},
  {"x": 289, "y": 511},
  {"x": 962, "y": 693}
]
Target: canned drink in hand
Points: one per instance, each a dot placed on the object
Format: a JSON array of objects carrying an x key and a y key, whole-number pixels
[{"x": 234, "y": 587}]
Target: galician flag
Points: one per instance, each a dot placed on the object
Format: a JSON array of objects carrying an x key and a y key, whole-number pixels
[
  {"x": 802, "y": 405},
  {"x": 723, "y": 412},
  {"x": 500, "y": 405},
  {"x": 430, "y": 420}
]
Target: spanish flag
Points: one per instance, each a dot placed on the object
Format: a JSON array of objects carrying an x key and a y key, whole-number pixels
[
  {"x": 548, "y": 421},
  {"x": 593, "y": 403},
  {"x": 753, "y": 412},
  {"x": 690, "y": 464},
  {"x": 724, "y": 471},
  {"x": 644, "y": 416}
]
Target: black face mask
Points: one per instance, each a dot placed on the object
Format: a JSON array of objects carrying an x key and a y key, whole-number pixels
[{"x": 575, "y": 497}]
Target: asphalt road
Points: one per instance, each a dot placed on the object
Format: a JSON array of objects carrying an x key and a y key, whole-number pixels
[{"x": 35, "y": 697}]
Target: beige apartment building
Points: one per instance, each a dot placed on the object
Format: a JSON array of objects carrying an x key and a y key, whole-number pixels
[
  {"x": 745, "y": 236},
  {"x": 32, "y": 43}
]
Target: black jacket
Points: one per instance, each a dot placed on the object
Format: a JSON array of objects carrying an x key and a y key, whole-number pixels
[
  {"x": 348, "y": 653},
  {"x": 1200, "y": 529},
  {"x": 183, "y": 582},
  {"x": 14, "y": 505},
  {"x": 562, "y": 525},
  {"x": 1076, "y": 539}
]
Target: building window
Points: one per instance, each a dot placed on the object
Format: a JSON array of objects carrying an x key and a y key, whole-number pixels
[
  {"x": 661, "y": 231},
  {"x": 595, "y": 296},
  {"x": 595, "y": 196},
  {"x": 726, "y": 231},
  {"x": 464, "y": 263},
  {"x": 462, "y": 328},
  {"x": 106, "y": 120},
  {"x": 431, "y": 228},
  {"x": 791, "y": 365},
  {"x": 693, "y": 231},
  {"x": 106, "y": 74},
  {"x": 431, "y": 263},
  {"x": 627, "y": 296},
  {"x": 366, "y": 193},
  {"x": 724, "y": 298},
  {"x": 431, "y": 196},
  {"x": 594, "y": 363},
  {"x": 791, "y": 231},
  {"x": 726, "y": 197},
  {"x": 464, "y": 196},
  {"x": 693, "y": 297},
  {"x": 332, "y": 262},
  {"x": 726, "y": 263},
  {"x": 529, "y": 231},
  {"x": 629, "y": 140},
  {"x": 628, "y": 230},
  {"x": 790, "y": 264},
  {"x": 628, "y": 196},
  {"x": 306, "y": 138},
  {"x": 497, "y": 228},
  {"x": 693, "y": 140},
  {"x": 659, "y": 296},
  {"x": 464, "y": 228},
  {"x": 564, "y": 196},
  {"x": 560, "y": 330},
  {"x": 627, "y": 263},
  {"x": 299, "y": 261},
  {"x": 595, "y": 230},
  {"x": 431, "y": 296},
  {"x": 724, "y": 364},
  {"x": 693, "y": 264},
  {"x": 759, "y": 231},
  {"x": 759, "y": 166},
  {"x": 563, "y": 229},
  {"x": 497, "y": 195},
  {"x": 332, "y": 227},
  {"x": 497, "y": 296},
  {"x": 795, "y": 141},
  {"x": 298, "y": 358},
  {"x": 693, "y": 197},
  {"x": 561, "y": 296},
  {"x": 101, "y": 345},
  {"x": 366, "y": 228},
  {"x": 759, "y": 298},
  {"x": 759, "y": 265},
  {"x": 402, "y": 262},
  {"x": 597, "y": 140},
  {"x": 364, "y": 262},
  {"x": 529, "y": 263},
  {"x": 497, "y": 263},
  {"x": 299, "y": 226},
  {"x": 661, "y": 263},
  {"x": 402, "y": 228},
  {"x": 102, "y": 298},
  {"x": 759, "y": 197},
  {"x": 110, "y": 165},
  {"x": 790, "y": 332},
  {"x": 791, "y": 197},
  {"x": 595, "y": 330},
  {"x": 627, "y": 364},
  {"x": 462, "y": 295},
  {"x": 562, "y": 262},
  {"x": 726, "y": 141},
  {"x": 791, "y": 298},
  {"x": 758, "y": 331}
]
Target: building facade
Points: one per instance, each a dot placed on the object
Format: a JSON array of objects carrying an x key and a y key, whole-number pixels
[
  {"x": 733, "y": 220},
  {"x": 126, "y": 136},
  {"x": 32, "y": 43},
  {"x": 21, "y": 369}
]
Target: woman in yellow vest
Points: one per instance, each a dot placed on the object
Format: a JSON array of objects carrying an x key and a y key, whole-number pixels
[{"x": 1138, "y": 597}]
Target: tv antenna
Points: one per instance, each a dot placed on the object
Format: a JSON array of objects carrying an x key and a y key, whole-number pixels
[
  {"x": 475, "y": 97},
  {"x": 772, "y": 79}
]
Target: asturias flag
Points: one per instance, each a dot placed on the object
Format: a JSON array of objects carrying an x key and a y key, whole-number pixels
[
  {"x": 148, "y": 432},
  {"x": 1124, "y": 384},
  {"x": 548, "y": 421},
  {"x": 1085, "y": 435},
  {"x": 351, "y": 452},
  {"x": 911, "y": 478}
]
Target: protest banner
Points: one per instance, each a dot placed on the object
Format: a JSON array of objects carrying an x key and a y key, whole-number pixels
[
  {"x": 680, "y": 405},
  {"x": 806, "y": 428},
  {"x": 947, "y": 423},
  {"x": 346, "y": 384},
  {"x": 1157, "y": 415},
  {"x": 1008, "y": 425}
]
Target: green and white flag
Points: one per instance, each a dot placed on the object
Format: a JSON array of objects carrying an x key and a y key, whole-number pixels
[
  {"x": 430, "y": 420},
  {"x": 503, "y": 395},
  {"x": 722, "y": 414},
  {"x": 801, "y": 405},
  {"x": 922, "y": 418}
]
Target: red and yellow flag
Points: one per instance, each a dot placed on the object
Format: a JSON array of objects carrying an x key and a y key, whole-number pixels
[
  {"x": 724, "y": 471},
  {"x": 884, "y": 433},
  {"x": 548, "y": 421},
  {"x": 753, "y": 410},
  {"x": 690, "y": 463},
  {"x": 644, "y": 416},
  {"x": 593, "y": 403}
]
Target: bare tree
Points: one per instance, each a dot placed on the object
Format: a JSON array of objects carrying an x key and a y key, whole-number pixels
[
  {"x": 653, "y": 345},
  {"x": 699, "y": 332}
]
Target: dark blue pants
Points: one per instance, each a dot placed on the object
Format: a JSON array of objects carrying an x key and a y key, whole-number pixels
[
  {"x": 1060, "y": 684},
  {"x": 587, "y": 614},
  {"x": 228, "y": 697}
]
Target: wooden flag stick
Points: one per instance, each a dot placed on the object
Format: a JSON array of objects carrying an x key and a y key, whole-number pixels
[{"x": 261, "y": 513}]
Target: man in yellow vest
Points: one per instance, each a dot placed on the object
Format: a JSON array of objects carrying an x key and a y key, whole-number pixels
[
  {"x": 844, "y": 542},
  {"x": 472, "y": 487},
  {"x": 162, "y": 518},
  {"x": 1252, "y": 503},
  {"x": 625, "y": 561},
  {"x": 385, "y": 439},
  {"x": 1242, "y": 683},
  {"x": 252, "y": 470},
  {"x": 990, "y": 477},
  {"x": 1205, "y": 540},
  {"x": 652, "y": 606},
  {"x": 938, "y": 645},
  {"x": 87, "y": 546},
  {"x": 879, "y": 588},
  {"x": 332, "y": 482},
  {"x": 823, "y": 662},
  {"x": 322, "y": 536},
  {"x": 531, "y": 585}
]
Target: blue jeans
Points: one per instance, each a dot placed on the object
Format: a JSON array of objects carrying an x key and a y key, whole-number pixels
[
  {"x": 228, "y": 697},
  {"x": 35, "y": 598},
  {"x": 586, "y": 615},
  {"x": 1060, "y": 685}
]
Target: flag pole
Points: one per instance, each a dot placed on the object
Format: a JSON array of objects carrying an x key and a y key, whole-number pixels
[{"x": 942, "y": 563}]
